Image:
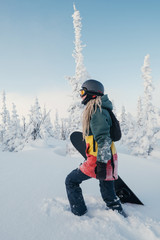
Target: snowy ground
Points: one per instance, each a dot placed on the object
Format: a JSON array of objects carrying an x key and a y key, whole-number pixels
[{"x": 34, "y": 206}]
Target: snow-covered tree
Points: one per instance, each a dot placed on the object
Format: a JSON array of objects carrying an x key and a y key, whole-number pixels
[
  {"x": 24, "y": 125},
  {"x": 123, "y": 123},
  {"x": 136, "y": 130},
  {"x": 5, "y": 117},
  {"x": 131, "y": 134},
  {"x": 148, "y": 138},
  {"x": 148, "y": 86},
  {"x": 46, "y": 128},
  {"x": 57, "y": 128},
  {"x": 80, "y": 76},
  {"x": 5, "y": 112},
  {"x": 13, "y": 140},
  {"x": 40, "y": 126},
  {"x": 140, "y": 117},
  {"x": 33, "y": 128},
  {"x": 63, "y": 135}
]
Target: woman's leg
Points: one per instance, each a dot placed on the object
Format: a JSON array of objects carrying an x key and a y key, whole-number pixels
[
  {"x": 74, "y": 192},
  {"x": 108, "y": 193}
]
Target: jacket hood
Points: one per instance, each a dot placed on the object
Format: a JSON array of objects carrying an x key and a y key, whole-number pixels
[{"x": 106, "y": 103}]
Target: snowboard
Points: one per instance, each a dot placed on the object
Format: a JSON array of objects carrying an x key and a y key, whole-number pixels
[{"x": 125, "y": 194}]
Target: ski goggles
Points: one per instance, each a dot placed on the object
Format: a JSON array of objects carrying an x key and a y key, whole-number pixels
[{"x": 83, "y": 92}]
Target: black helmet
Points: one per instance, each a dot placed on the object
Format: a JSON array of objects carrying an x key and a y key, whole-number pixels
[{"x": 92, "y": 88}]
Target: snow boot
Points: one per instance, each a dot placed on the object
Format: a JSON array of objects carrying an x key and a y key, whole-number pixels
[{"x": 116, "y": 206}]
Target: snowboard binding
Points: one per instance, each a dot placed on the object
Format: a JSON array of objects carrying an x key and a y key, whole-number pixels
[{"x": 123, "y": 194}]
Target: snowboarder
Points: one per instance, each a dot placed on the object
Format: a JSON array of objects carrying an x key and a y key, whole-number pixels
[{"x": 101, "y": 154}]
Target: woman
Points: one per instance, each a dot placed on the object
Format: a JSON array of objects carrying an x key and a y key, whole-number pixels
[{"x": 101, "y": 154}]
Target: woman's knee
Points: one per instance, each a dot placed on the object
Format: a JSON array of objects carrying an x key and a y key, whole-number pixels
[
  {"x": 68, "y": 180},
  {"x": 71, "y": 178},
  {"x": 76, "y": 177}
]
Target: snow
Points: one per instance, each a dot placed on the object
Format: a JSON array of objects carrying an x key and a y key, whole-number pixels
[{"x": 34, "y": 205}]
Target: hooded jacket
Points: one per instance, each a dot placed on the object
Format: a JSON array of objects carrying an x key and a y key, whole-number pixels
[{"x": 99, "y": 146}]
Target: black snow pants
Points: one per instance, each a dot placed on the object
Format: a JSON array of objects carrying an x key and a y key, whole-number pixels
[{"x": 75, "y": 196}]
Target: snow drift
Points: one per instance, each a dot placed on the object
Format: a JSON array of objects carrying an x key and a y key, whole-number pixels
[{"x": 34, "y": 205}]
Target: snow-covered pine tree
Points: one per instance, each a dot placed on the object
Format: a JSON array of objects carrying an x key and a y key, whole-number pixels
[
  {"x": 66, "y": 126},
  {"x": 24, "y": 125},
  {"x": 63, "y": 130},
  {"x": 46, "y": 128},
  {"x": 138, "y": 130},
  {"x": 5, "y": 117},
  {"x": 131, "y": 136},
  {"x": 140, "y": 117},
  {"x": 13, "y": 140},
  {"x": 57, "y": 130},
  {"x": 148, "y": 139},
  {"x": 123, "y": 123},
  {"x": 81, "y": 75},
  {"x": 35, "y": 120}
]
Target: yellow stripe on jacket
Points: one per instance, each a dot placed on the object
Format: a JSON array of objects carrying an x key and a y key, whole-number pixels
[{"x": 92, "y": 151}]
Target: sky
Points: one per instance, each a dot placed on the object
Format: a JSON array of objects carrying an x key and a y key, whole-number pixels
[{"x": 37, "y": 42}]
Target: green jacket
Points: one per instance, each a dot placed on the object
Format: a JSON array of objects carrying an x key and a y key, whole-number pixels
[{"x": 100, "y": 128}]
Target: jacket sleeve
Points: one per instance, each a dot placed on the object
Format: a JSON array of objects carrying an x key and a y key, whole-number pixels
[{"x": 100, "y": 127}]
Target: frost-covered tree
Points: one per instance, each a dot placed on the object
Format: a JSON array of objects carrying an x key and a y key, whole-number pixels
[
  {"x": 123, "y": 124},
  {"x": 13, "y": 140},
  {"x": 46, "y": 128},
  {"x": 148, "y": 139},
  {"x": 57, "y": 128},
  {"x": 144, "y": 131},
  {"x": 5, "y": 112},
  {"x": 24, "y": 125},
  {"x": 140, "y": 117},
  {"x": 40, "y": 126},
  {"x": 63, "y": 135},
  {"x": 80, "y": 76},
  {"x": 141, "y": 137},
  {"x": 35, "y": 120},
  {"x": 136, "y": 130},
  {"x": 5, "y": 117},
  {"x": 131, "y": 136},
  {"x": 148, "y": 87}
]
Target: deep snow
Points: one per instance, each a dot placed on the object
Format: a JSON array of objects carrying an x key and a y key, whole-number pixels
[{"x": 34, "y": 206}]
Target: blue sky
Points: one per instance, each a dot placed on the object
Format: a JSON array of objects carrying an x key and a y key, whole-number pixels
[{"x": 36, "y": 46}]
